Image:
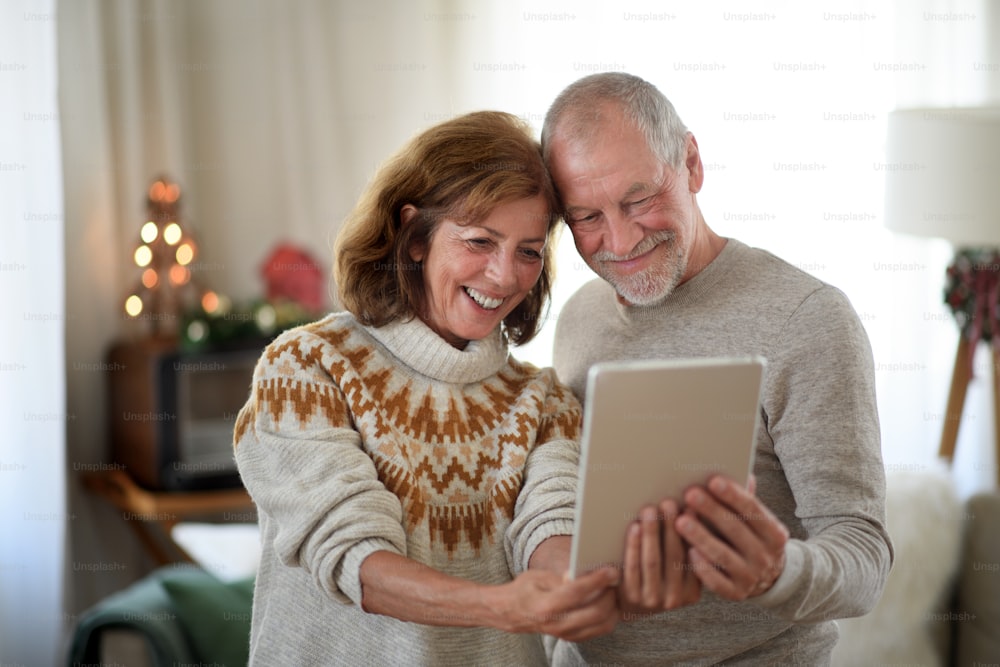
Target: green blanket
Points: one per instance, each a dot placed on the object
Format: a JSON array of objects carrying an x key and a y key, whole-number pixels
[{"x": 185, "y": 615}]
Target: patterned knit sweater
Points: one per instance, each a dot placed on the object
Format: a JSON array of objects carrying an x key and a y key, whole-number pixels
[{"x": 356, "y": 440}]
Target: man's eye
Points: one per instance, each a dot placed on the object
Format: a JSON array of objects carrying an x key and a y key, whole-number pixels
[{"x": 577, "y": 219}]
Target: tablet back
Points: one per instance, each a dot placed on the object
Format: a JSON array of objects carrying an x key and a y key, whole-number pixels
[{"x": 651, "y": 429}]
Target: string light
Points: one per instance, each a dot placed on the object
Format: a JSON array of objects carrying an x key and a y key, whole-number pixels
[
  {"x": 184, "y": 254},
  {"x": 133, "y": 305},
  {"x": 172, "y": 233},
  {"x": 210, "y": 302},
  {"x": 266, "y": 317},
  {"x": 149, "y": 232},
  {"x": 143, "y": 255},
  {"x": 179, "y": 275},
  {"x": 197, "y": 331},
  {"x": 150, "y": 278},
  {"x": 165, "y": 254}
]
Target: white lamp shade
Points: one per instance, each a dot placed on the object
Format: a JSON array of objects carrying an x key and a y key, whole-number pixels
[{"x": 942, "y": 174}]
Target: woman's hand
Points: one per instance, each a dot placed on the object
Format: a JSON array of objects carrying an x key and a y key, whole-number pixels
[
  {"x": 553, "y": 604},
  {"x": 539, "y": 600}
]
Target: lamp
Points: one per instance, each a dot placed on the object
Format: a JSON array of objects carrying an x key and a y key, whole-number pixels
[{"x": 942, "y": 179}]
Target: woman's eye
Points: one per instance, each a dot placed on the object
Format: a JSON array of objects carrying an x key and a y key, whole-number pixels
[
  {"x": 479, "y": 243},
  {"x": 531, "y": 253}
]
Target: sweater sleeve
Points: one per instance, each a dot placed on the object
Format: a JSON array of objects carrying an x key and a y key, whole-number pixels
[
  {"x": 545, "y": 504},
  {"x": 823, "y": 420},
  {"x": 303, "y": 464}
]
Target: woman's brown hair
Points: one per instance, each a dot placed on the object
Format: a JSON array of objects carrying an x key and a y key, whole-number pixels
[{"x": 461, "y": 169}]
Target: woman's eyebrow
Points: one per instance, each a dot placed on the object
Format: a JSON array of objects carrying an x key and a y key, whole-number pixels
[{"x": 500, "y": 235}]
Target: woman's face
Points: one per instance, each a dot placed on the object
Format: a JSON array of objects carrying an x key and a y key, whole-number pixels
[{"x": 475, "y": 274}]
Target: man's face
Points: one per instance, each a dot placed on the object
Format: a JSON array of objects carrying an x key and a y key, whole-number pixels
[{"x": 633, "y": 218}]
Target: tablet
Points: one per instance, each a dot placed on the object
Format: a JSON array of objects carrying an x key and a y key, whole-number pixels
[{"x": 651, "y": 429}]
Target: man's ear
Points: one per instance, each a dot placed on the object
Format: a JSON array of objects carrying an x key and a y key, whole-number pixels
[
  {"x": 406, "y": 216},
  {"x": 692, "y": 160}
]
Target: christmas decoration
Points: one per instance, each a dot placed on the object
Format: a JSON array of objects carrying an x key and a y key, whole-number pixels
[
  {"x": 293, "y": 296},
  {"x": 164, "y": 255},
  {"x": 972, "y": 291},
  {"x": 292, "y": 274}
]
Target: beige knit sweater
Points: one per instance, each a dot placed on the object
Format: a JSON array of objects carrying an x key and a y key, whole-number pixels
[
  {"x": 356, "y": 440},
  {"x": 818, "y": 461}
]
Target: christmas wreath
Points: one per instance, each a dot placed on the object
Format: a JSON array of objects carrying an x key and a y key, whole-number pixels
[{"x": 972, "y": 291}]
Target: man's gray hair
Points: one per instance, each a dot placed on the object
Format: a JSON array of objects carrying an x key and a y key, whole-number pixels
[{"x": 578, "y": 108}]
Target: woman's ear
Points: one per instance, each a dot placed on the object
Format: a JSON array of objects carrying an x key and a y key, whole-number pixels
[{"x": 406, "y": 216}]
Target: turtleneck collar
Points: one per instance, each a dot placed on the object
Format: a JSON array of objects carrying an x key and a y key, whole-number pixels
[{"x": 420, "y": 348}]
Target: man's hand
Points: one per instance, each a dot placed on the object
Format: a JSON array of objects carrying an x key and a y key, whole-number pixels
[
  {"x": 656, "y": 575},
  {"x": 737, "y": 546}
]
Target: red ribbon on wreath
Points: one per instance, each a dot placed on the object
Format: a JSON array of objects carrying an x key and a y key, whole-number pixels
[{"x": 973, "y": 294}]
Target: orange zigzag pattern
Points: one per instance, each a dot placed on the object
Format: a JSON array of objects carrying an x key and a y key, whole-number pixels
[{"x": 409, "y": 468}]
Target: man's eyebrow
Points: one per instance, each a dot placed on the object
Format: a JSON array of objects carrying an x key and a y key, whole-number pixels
[{"x": 637, "y": 188}]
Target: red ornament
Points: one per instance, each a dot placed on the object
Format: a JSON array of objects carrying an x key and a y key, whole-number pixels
[{"x": 290, "y": 273}]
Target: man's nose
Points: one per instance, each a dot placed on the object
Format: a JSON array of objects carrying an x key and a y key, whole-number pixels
[{"x": 621, "y": 235}]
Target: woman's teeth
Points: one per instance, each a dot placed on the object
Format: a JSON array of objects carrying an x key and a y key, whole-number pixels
[{"x": 483, "y": 300}]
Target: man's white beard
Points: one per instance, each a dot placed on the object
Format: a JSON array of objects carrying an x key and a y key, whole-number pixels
[{"x": 651, "y": 286}]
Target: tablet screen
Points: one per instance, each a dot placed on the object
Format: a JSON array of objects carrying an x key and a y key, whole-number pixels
[{"x": 651, "y": 429}]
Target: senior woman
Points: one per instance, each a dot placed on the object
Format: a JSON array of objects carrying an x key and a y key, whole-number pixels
[{"x": 405, "y": 466}]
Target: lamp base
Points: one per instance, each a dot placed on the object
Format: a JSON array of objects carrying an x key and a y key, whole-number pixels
[{"x": 960, "y": 377}]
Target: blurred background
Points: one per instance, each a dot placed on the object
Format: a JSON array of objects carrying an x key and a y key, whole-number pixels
[{"x": 271, "y": 117}]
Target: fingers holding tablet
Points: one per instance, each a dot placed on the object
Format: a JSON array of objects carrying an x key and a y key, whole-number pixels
[
  {"x": 737, "y": 546},
  {"x": 656, "y": 575}
]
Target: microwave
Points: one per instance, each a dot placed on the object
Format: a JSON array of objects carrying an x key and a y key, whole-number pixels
[{"x": 172, "y": 412}]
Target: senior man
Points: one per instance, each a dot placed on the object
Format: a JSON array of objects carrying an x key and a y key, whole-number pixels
[{"x": 764, "y": 570}]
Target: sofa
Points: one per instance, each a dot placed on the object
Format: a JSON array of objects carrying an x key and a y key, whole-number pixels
[{"x": 941, "y": 604}]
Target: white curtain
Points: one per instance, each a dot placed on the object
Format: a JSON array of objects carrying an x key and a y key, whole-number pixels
[
  {"x": 272, "y": 116},
  {"x": 33, "y": 415}
]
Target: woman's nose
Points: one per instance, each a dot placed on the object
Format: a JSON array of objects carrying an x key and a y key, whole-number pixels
[{"x": 501, "y": 270}]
